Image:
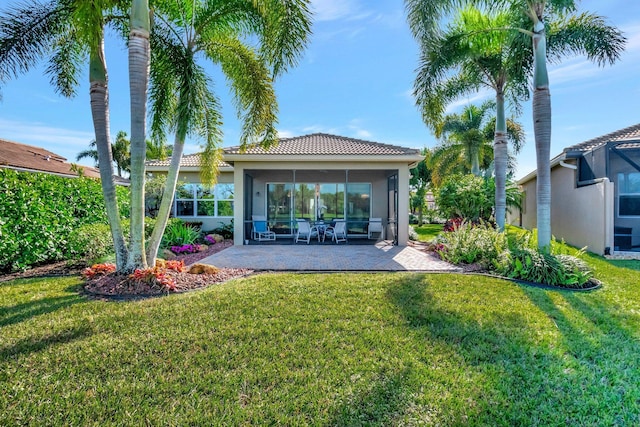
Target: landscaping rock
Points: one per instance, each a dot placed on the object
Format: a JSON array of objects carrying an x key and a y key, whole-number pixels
[
  {"x": 202, "y": 269},
  {"x": 168, "y": 255}
]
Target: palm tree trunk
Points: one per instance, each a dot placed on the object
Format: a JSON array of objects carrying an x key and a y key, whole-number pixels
[
  {"x": 99, "y": 96},
  {"x": 139, "y": 53},
  {"x": 167, "y": 198},
  {"x": 475, "y": 163},
  {"x": 500, "y": 158},
  {"x": 542, "y": 134}
]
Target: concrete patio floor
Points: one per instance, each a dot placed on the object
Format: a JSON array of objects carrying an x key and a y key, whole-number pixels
[{"x": 301, "y": 257}]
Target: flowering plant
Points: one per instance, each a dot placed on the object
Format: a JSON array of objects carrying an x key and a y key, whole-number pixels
[
  {"x": 155, "y": 276},
  {"x": 98, "y": 270},
  {"x": 209, "y": 238},
  {"x": 184, "y": 249}
]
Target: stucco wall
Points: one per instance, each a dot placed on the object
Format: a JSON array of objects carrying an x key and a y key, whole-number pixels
[{"x": 582, "y": 216}]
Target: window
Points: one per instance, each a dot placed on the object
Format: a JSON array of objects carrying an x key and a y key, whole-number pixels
[
  {"x": 629, "y": 194},
  {"x": 200, "y": 200}
]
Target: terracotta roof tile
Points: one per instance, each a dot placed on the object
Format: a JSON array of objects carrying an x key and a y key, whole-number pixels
[
  {"x": 36, "y": 159},
  {"x": 188, "y": 160},
  {"x": 631, "y": 134},
  {"x": 319, "y": 144}
]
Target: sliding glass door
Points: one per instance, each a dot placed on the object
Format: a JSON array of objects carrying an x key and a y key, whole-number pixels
[{"x": 279, "y": 207}]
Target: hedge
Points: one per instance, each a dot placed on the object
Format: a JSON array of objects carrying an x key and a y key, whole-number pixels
[{"x": 39, "y": 211}]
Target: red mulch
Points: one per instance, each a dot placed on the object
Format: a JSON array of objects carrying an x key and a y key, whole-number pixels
[{"x": 119, "y": 286}]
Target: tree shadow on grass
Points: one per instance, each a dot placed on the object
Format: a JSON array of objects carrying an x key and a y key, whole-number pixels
[
  {"x": 376, "y": 405},
  {"x": 25, "y": 311},
  {"x": 35, "y": 344},
  {"x": 521, "y": 375}
]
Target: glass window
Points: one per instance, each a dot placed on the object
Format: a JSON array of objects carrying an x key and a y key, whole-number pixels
[
  {"x": 203, "y": 200},
  {"x": 629, "y": 194},
  {"x": 279, "y": 207},
  {"x": 358, "y": 207}
]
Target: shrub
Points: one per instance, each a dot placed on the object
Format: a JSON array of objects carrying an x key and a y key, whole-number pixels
[
  {"x": 154, "y": 276},
  {"x": 465, "y": 196},
  {"x": 470, "y": 244},
  {"x": 98, "y": 270},
  {"x": 90, "y": 242},
  {"x": 39, "y": 212},
  {"x": 177, "y": 233}
]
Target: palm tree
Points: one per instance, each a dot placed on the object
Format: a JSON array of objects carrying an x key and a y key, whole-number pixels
[
  {"x": 119, "y": 153},
  {"x": 584, "y": 34},
  {"x": 182, "y": 97},
  {"x": 464, "y": 147},
  {"x": 477, "y": 58},
  {"x": 68, "y": 33},
  {"x": 580, "y": 34}
]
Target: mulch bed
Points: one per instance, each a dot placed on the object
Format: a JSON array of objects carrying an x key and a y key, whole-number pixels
[{"x": 122, "y": 287}]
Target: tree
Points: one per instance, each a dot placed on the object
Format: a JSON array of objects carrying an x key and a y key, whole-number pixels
[
  {"x": 465, "y": 58},
  {"x": 584, "y": 34},
  {"x": 580, "y": 34},
  {"x": 68, "y": 33},
  {"x": 420, "y": 180},
  {"x": 182, "y": 97},
  {"x": 119, "y": 153}
]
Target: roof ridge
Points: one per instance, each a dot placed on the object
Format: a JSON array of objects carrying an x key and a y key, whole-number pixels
[{"x": 611, "y": 136}]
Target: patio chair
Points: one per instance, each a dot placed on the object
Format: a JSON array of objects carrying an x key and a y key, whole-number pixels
[
  {"x": 375, "y": 226},
  {"x": 338, "y": 232},
  {"x": 306, "y": 231},
  {"x": 260, "y": 230}
]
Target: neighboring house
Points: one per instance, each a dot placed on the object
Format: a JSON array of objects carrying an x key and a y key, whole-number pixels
[
  {"x": 318, "y": 177},
  {"x": 27, "y": 158},
  {"x": 595, "y": 194}
]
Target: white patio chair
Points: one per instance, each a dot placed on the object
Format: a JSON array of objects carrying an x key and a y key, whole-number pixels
[
  {"x": 305, "y": 231},
  {"x": 338, "y": 232},
  {"x": 260, "y": 230},
  {"x": 375, "y": 226}
]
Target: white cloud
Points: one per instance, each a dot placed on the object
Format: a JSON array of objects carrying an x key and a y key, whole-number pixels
[
  {"x": 285, "y": 133},
  {"x": 330, "y": 10},
  {"x": 40, "y": 134},
  {"x": 483, "y": 95}
]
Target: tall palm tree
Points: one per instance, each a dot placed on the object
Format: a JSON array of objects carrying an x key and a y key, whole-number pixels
[
  {"x": 69, "y": 33},
  {"x": 465, "y": 58},
  {"x": 182, "y": 97},
  {"x": 581, "y": 34},
  {"x": 584, "y": 34}
]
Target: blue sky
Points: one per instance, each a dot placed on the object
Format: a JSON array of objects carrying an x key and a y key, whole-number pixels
[{"x": 355, "y": 80}]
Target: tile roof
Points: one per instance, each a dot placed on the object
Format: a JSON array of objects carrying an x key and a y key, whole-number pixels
[
  {"x": 631, "y": 134},
  {"x": 188, "y": 160},
  {"x": 319, "y": 144},
  {"x": 36, "y": 159}
]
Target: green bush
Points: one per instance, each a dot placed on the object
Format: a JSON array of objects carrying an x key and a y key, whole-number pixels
[
  {"x": 178, "y": 233},
  {"x": 39, "y": 212},
  {"x": 471, "y": 197},
  {"x": 516, "y": 257},
  {"x": 472, "y": 244},
  {"x": 225, "y": 230},
  {"x": 465, "y": 196},
  {"x": 90, "y": 242}
]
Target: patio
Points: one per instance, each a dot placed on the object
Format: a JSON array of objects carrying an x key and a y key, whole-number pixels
[{"x": 382, "y": 256}]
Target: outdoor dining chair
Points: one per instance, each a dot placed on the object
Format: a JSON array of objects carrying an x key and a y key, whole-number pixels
[
  {"x": 306, "y": 231},
  {"x": 338, "y": 232},
  {"x": 260, "y": 230},
  {"x": 375, "y": 226}
]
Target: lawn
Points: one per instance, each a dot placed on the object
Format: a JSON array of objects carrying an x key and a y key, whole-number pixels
[
  {"x": 428, "y": 232},
  {"x": 325, "y": 349}
]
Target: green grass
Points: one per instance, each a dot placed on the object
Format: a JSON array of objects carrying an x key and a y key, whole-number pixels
[
  {"x": 428, "y": 232},
  {"x": 334, "y": 349}
]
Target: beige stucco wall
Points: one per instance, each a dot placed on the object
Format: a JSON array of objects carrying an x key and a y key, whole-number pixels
[{"x": 582, "y": 216}]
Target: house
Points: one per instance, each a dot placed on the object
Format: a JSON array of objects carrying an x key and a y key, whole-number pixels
[
  {"x": 317, "y": 177},
  {"x": 27, "y": 158},
  {"x": 595, "y": 194}
]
